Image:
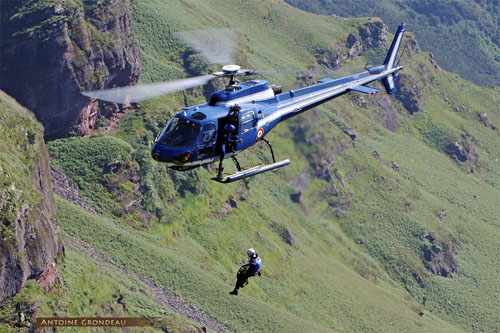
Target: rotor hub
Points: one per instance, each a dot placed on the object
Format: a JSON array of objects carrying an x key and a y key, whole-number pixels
[{"x": 231, "y": 69}]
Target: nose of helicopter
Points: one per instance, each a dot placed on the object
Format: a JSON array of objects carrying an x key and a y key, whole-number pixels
[
  {"x": 172, "y": 155},
  {"x": 156, "y": 154}
]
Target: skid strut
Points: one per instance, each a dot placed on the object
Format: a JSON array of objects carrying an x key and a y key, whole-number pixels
[
  {"x": 238, "y": 166},
  {"x": 252, "y": 171},
  {"x": 270, "y": 147}
]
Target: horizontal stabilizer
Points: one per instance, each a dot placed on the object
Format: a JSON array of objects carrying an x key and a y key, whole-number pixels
[
  {"x": 365, "y": 90},
  {"x": 252, "y": 171}
]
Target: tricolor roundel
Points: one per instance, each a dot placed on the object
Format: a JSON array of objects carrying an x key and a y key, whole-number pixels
[{"x": 260, "y": 133}]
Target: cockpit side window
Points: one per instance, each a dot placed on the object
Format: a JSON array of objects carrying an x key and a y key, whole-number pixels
[
  {"x": 181, "y": 132},
  {"x": 208, "y": 137}
]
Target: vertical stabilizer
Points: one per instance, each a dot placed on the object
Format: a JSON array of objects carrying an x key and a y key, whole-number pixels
[{"x": 390, "y": 60}]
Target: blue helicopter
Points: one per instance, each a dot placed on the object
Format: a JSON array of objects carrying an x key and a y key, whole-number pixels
[{"x": 242, "y": 114}]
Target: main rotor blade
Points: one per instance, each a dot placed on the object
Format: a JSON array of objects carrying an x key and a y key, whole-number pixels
[
  {"x": 125, "y": 95},
  {"x": 216, "y": 45}
]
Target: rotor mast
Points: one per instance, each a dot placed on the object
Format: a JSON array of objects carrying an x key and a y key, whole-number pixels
[{"x": 231, "y": 71}]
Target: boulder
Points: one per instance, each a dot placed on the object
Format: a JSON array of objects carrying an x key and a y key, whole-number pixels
[{"x": 456, "y": 151}]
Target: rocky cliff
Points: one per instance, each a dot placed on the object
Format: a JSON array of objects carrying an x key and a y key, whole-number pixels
[
  {"x": 28, "y": 235},
  {"x": 370, "y": 35},
  {"x": 52, "y": 50}
]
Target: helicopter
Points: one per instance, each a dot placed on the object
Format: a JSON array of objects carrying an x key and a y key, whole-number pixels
[{"x": 242, "y": 114}]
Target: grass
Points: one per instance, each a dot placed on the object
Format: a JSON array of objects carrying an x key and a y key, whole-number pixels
[
  {"x": 92, "y": 289},
  {"x": 206, "y": 283},
  {"x": 86, "y": 161},
  {"x": 369, "y": 248},
  {"x": 359, "y": 222},
  {"x": 22, "y": 139},
  {"x": 440, "y": 26}
]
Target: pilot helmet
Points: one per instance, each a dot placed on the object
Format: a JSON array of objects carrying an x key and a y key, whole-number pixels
[{"x": 251, "y": 252}]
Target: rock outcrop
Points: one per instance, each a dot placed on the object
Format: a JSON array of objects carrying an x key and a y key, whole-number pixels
[
  {"x": 457, "y": 151},
  {"x": 371, "y": 35},
  {"x": 287, "y": 236},
  {"x": 28, "y": 239},
  {"x": 50, "y": 54},
  {"x": 486, "y": 122},
  {"x": 440, "y": 258},
  {"x": 387, "y": 115},
  {"x": 410, "y": 93}
]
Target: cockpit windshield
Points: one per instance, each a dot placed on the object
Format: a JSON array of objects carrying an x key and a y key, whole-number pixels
[{"x": 181, "y": 132}]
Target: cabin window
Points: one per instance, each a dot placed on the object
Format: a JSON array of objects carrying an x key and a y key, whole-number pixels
[
  {"x": 208, "y": 134},
  {"x": 247, "y": 121}
]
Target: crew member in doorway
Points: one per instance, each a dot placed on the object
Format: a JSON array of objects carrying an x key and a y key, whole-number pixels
[{"x": 228, "y": 144}]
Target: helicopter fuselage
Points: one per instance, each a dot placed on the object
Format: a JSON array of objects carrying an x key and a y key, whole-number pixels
[
  {"x": 195, "y": 135},
  {"x": 239, "y": 116}
]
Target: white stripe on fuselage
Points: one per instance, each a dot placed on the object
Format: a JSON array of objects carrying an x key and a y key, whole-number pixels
[
  {"x": 261, "y": 95},
  {"x": 296, "y": 105},
  {"x": 311, "y": 98}
]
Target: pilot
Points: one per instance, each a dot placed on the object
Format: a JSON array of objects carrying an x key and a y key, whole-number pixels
[{"x": 247, "y": 270}]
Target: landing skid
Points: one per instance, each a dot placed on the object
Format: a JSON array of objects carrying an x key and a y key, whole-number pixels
[{"x": 251, "y": 172}]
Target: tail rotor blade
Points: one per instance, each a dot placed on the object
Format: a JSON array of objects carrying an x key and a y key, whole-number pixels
[{"x": 125, "y": 95}]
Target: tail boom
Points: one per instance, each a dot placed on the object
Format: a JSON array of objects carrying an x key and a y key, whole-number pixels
[{"x": 389, "y": 83}]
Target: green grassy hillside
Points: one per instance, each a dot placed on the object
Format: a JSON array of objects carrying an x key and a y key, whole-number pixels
[
  {"x": 396, "y": 230},
  {"x": 359, "y": 255},
  {"x": 89, "y": 287},
  {"x": 469, "y": 28},
  {"x": 20, "y": 135}
]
